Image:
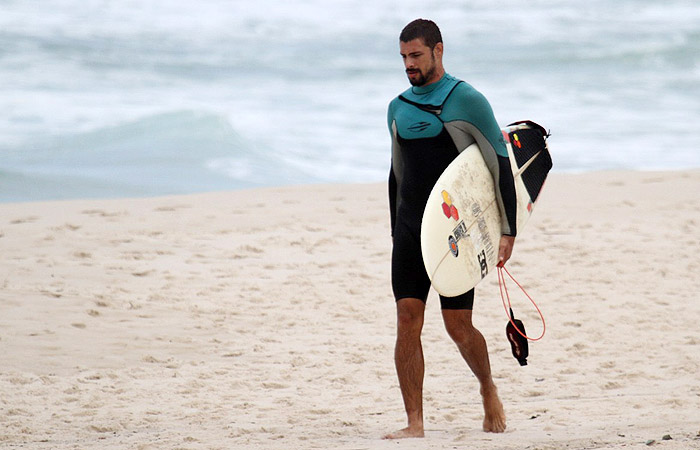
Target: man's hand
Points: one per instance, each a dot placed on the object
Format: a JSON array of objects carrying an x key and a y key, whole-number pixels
[{"x": 505, "y": 249}]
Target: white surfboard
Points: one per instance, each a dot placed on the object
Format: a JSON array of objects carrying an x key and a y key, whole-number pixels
[{"x": 461, "y": 227}]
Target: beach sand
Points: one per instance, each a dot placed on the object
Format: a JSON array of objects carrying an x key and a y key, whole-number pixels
[{"x": 264, "y": 319}]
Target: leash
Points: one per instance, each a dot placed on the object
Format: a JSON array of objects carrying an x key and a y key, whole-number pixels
[{"x": 504, "y": 289}]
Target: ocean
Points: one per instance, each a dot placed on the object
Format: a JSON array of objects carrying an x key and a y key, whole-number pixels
[{"x": 156, "y": 97}]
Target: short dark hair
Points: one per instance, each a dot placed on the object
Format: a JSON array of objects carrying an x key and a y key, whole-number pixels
[{"x": 422, "y": 29}]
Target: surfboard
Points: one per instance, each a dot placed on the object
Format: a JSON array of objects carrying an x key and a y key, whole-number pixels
[{"x": 461, "y": 226}]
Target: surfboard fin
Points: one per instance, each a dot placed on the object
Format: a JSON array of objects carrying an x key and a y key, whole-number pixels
[{"x": 518, "y": 343}]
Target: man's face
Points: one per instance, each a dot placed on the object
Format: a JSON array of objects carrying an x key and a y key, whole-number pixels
[{"x": 419, "y": 61}]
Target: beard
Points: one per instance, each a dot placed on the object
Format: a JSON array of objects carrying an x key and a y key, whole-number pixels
[{"x": 422, "y": 78}]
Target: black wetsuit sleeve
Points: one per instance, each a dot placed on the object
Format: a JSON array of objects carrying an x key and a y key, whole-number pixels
[
  {"x": 393, "y": 189},
  {"x": 507, "y": 188}
]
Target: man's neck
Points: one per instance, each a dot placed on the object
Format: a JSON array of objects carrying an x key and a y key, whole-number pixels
[{"x": 428, "y": 87}]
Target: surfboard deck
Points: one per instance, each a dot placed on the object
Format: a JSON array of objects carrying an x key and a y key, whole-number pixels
[{"x": 461, "y": 226}]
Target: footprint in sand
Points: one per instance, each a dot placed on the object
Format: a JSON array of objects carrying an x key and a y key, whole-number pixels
[
  {"x": 171, "y": 208},
  {"x": 102, "y": 213},
  {"x": 21, "y": 220}
]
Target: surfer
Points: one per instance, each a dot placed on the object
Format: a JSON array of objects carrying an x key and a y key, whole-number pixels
[{"x": 430, "y": 123}]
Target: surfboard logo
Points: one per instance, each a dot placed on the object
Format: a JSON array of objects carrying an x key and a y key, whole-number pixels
[
  {"x": 458, "y": 233},
  {"x": 483, "y": 264},
  {"x": 448, "y": 208},
  {"x": 453, "y": 246},
  {"x": 516, "y": 140}
]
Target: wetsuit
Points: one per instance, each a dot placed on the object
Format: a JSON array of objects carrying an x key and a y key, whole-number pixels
[{"x": 429, "y": 126}]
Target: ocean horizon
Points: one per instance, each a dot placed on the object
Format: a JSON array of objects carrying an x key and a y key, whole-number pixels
[{"x": 132, "y": 99}]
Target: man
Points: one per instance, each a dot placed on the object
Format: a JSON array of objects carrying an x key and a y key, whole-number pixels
[{"x": 430, "y": 123}]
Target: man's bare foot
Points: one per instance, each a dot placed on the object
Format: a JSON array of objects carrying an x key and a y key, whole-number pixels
[
  {"x": 494, "y": 416},
  {"x": 408, "y": 432}
]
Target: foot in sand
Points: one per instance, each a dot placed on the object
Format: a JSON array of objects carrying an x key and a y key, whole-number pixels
[
  {"x": 495, "y": 417},
  {"x": 408, "y": 432}
]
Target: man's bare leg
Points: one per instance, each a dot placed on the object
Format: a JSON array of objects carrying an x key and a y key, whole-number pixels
[
  {"x": 408, "y": 356},
  {"x": 472, "y": 346}
]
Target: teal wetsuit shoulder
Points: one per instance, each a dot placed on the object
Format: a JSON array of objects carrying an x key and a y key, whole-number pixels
[{"x": 469, "y": 105}]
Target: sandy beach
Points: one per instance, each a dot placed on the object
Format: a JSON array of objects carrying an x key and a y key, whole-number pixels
[{"x": 264, "y": 319}]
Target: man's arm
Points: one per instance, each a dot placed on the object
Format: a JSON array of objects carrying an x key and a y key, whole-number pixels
[
  {"x": 475, "y": 117},
  {"x": 392, "y": 198},
  {"x": 506, "y": 188},
  {"x": 472, "y": 114},
  {"x": 393, "y": 179}
]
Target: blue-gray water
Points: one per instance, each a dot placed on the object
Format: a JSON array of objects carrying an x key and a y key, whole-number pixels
[{"x": 114, "y": 99}]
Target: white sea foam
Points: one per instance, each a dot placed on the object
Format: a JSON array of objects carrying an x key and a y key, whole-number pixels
[{"x": 224, "y": 95}]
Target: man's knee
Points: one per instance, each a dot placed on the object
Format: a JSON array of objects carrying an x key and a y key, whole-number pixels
[
  {"x": 410, "y": 313},
  {"x": 458, "y": 325}
]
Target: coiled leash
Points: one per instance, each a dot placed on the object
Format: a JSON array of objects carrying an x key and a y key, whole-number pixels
[{"x": 515, "y": 329}]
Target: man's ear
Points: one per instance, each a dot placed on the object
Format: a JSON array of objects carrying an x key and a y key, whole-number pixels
[{"x": 437, "y": 51}]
